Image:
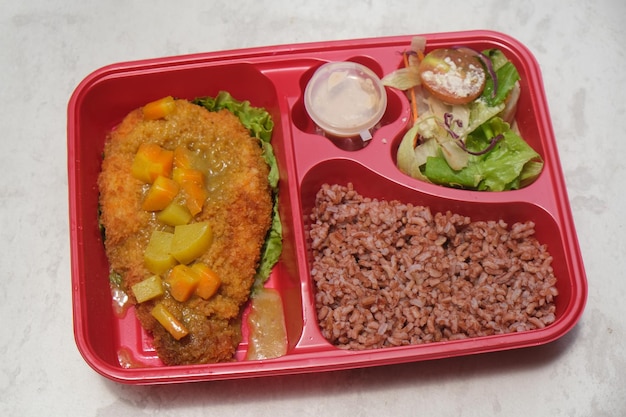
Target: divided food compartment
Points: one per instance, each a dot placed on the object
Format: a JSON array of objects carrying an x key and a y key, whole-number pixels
[{"x": 275, "y": 78}]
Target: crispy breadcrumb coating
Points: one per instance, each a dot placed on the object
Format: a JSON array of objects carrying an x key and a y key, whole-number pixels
[{"x": 238, "y": 208}]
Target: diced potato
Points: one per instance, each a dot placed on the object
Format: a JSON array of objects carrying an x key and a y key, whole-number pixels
[
  {"x": 148, "y": 289},
  {"x": 161, "y": 193},
  {"x": 208, "y": 280},
  {"x": 190, "y": 241},
  {"x": 167, "y": 320},
  {"x": 158, "y": 257},
  {"x": 151, "y": 160},
  {"x": 175, "y": 214},
  {"x": 183, "y": 282}
]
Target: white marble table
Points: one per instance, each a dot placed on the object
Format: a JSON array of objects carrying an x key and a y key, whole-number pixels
[{"x": 48, "y": 47}]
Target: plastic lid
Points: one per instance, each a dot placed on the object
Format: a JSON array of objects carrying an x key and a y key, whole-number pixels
[{"x": 345, "y": 99}]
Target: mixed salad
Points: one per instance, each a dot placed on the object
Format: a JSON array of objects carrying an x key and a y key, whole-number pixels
[{"x": 464, "y": 134}]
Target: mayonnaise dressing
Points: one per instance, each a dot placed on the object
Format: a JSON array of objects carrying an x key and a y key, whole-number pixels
[{"x": 346, "y": 100}]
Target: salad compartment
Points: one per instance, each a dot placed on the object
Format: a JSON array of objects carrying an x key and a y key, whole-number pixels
[{"x": 113, "y": 343}]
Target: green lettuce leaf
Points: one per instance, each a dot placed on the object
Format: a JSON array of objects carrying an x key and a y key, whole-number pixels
[
  {"x": 507, "y": 77},
  {"x": 270, "y": 159},
  {"x": 271, "y": 250},
  {"x": 509, "y": 165},
  {"x": 260, "y": 124},
  {"x": 256, "y": 119},
  {"x": 502, "y": 167},
  {"x": 497, "y": 58},
  {"x": 480, "y": 112},
  {"x": 438, "y": 171}
]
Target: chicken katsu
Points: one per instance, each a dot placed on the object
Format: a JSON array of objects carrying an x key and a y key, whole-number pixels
[{"x": 236, "y": 204}]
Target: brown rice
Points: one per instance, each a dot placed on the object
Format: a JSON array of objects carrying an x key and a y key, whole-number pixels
[{"x": 391, "y": 274}]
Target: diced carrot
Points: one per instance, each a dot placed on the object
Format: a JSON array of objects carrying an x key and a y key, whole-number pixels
[
  {"x": 183, "y": 175},
  {"x": 195, "y": 196},
  {"x": 183, "y": 157},
  {"x": 209, "y": 282},
  {"x": 167, "y": 320},
  {"x": 412, "y": 92},
  {"x": 158, "y": 109},
  {"x": 161, "y": 193},
  {"x": 151, "y": 160},
  {"x": 192, "y": 182},
  {"x": 183, "y": 282}
]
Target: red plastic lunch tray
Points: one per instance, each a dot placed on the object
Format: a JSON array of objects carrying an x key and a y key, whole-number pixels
[{"x": 275, "y": 78}]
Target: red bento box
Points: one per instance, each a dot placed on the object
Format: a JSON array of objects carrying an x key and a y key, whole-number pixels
[{"x": 275, "y": 78}]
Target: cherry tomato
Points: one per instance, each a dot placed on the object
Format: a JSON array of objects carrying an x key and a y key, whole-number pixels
[{"x": 453, "y": 76}]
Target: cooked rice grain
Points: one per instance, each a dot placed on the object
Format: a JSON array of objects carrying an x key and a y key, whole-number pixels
[{"x": 391, "y": 274}]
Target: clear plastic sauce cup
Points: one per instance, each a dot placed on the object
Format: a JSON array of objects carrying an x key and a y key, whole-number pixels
[{"x": 345, "y": 99}]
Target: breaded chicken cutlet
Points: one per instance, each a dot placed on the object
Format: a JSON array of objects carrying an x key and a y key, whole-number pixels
[{"x": 238, "y": 208}]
